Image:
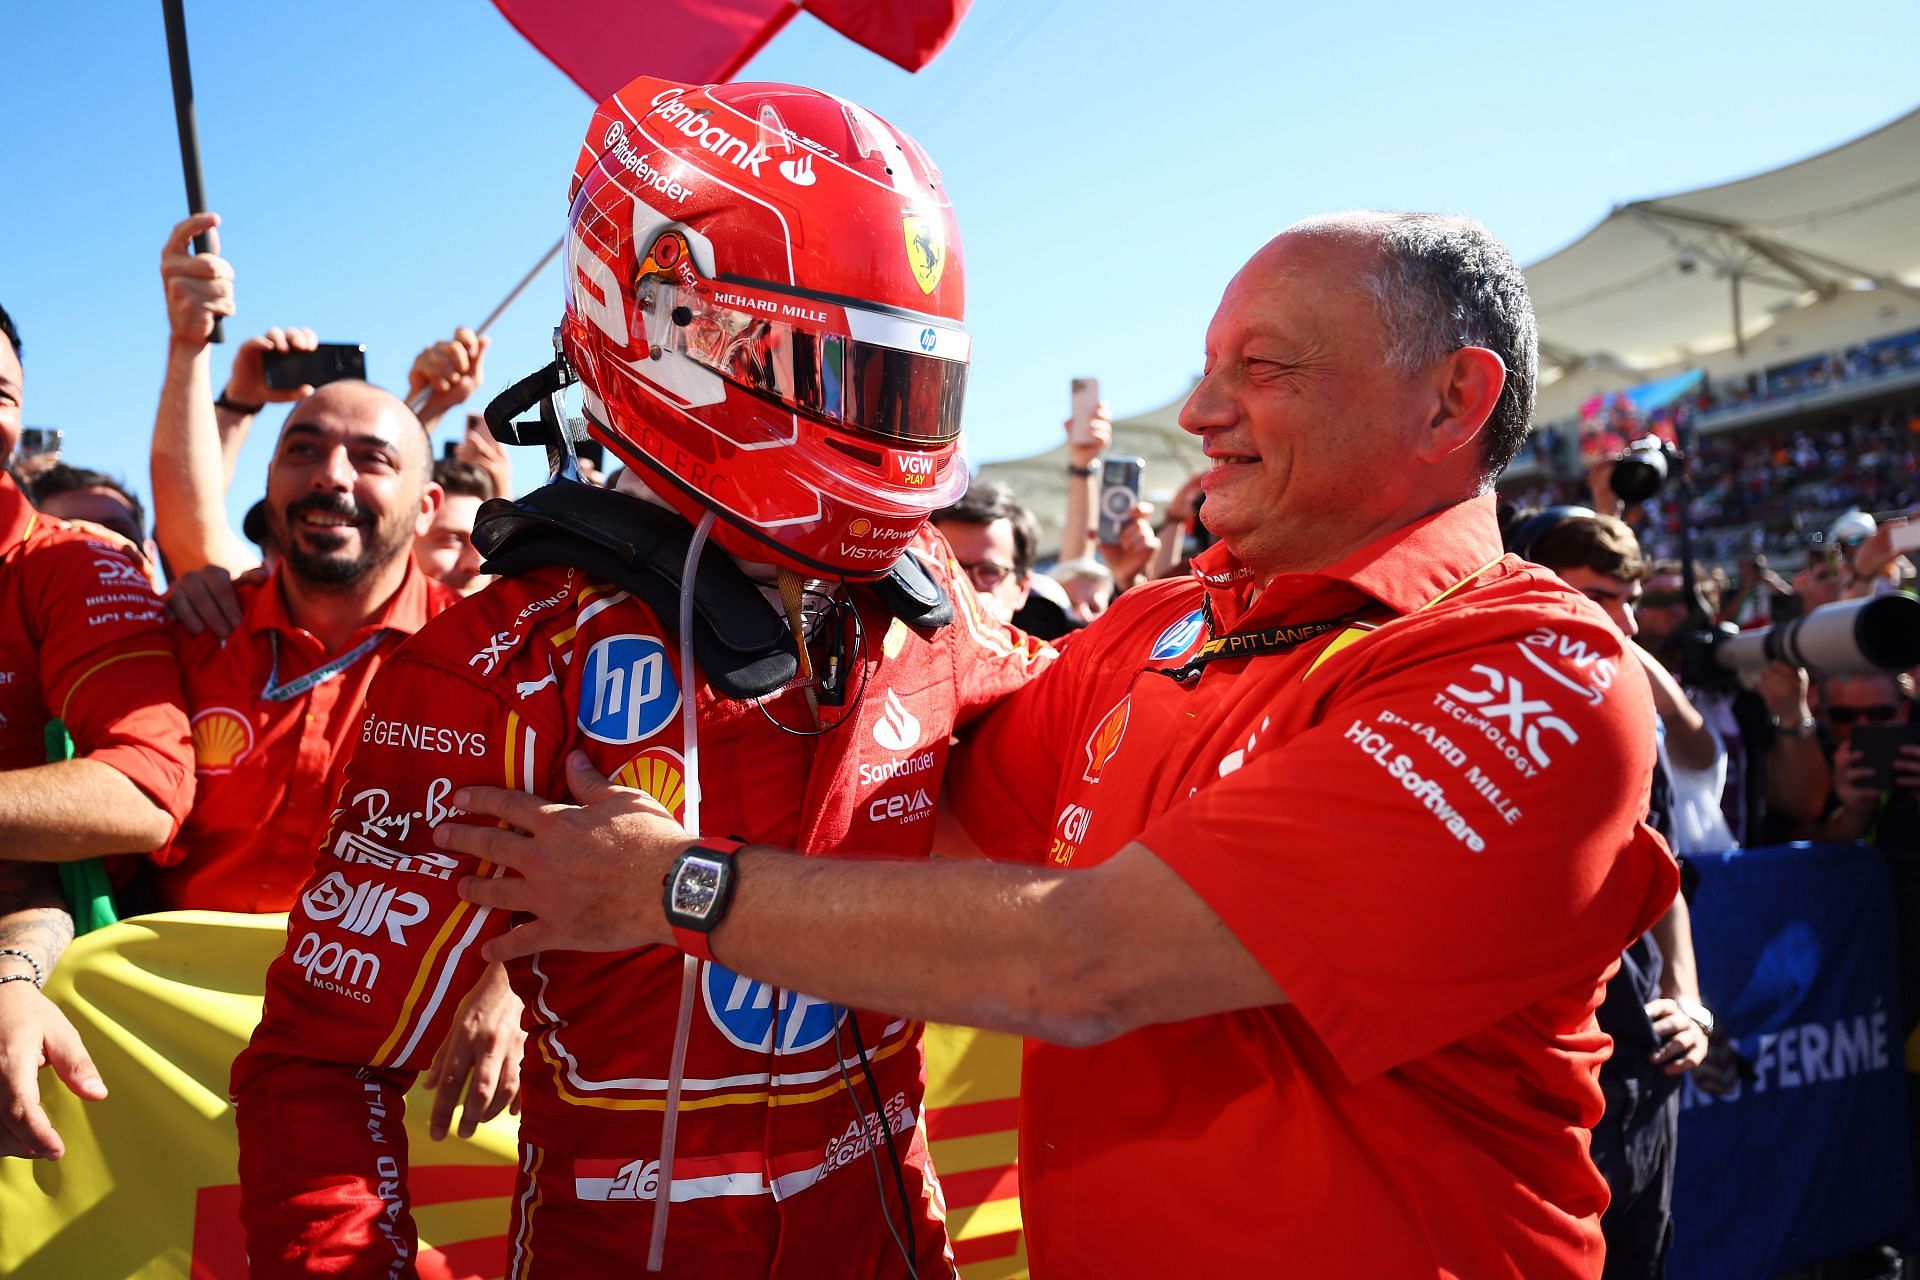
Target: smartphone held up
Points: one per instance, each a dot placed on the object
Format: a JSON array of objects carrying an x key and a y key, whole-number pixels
[
  {"x": 1086, "y": 404},
  {"x": 328, "y": 362}
]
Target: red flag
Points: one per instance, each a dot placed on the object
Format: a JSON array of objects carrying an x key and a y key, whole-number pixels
[
  {"x": 603, "y": 44},
  {"x": 908, "y": 34}
]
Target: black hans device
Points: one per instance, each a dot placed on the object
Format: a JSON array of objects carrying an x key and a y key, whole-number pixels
[
  {"x": 328, "y": 362},
  {"x": 1119, "y": 494}
]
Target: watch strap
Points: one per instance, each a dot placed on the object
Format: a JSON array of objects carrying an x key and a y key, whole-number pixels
[
  {"x": 235, "y": 406},
  {"x": 699, "y": 942}
]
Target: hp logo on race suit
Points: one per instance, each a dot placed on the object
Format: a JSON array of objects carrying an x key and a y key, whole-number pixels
[
  {"x": 628, "y": 691},
  {"x": 744, "y": 1011},
  {"x": 1179, "y": 637}
]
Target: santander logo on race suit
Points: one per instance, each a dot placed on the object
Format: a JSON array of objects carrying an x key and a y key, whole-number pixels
[{"x": 897, "y": 729}]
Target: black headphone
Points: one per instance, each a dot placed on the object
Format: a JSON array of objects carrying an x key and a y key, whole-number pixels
[{"x": 1527, "y": 529}]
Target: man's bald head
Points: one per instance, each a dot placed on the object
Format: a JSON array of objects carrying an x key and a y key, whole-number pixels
[
  {"x": 349, "y": 488},
  {"x": 350, "y": 400}
]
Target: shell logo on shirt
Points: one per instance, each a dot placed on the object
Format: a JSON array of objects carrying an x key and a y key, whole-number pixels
[
  {"x": 222, "y": 738},
  {"x": 661, "y": 773},
  {"x": 1104, "y": 743}
]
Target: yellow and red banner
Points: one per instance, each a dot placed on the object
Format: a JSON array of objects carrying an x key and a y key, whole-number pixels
[{"x": 148, "y": 1188}]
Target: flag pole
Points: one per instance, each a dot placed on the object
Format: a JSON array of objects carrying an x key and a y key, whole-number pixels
[
  {"x": 418, "y": 400},
  {"x": 183, "y": 119}
]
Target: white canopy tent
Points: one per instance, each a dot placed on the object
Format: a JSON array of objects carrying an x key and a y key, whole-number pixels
[{"x": 1661, "y": 282}]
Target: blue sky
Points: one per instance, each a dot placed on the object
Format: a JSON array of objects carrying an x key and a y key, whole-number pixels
[{"x": 387, "y": 171}]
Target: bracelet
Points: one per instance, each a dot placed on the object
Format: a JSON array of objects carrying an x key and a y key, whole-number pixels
[
  {"x": 39, "y": 974},
  {"x": 1085, "y": 473},
  {"x": 234, "y": 406},
  {"x": 5, "y": 978}
]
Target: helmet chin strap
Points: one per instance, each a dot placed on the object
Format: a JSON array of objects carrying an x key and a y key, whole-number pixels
[
  {"x": 689, "y": 965},
  {"x": 793, "y": 590}
]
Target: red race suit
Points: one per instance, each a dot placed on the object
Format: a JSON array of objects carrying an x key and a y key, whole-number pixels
[
  {"x": 83, "y": 640},
  {"x": 772, "y": 1171},
  {"x": 1420, "y": 810}
]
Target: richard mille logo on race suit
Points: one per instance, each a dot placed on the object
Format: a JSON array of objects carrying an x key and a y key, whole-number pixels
[
  {"x": 628, "y": 691},
  {"x": 897, "y": 729},
  {"x": 744, "y": 1011}
]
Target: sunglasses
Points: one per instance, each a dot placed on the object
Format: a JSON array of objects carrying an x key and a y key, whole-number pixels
[{"x": 1881, "y": 713}]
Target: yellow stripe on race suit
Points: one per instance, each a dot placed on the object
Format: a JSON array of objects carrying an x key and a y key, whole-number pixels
[
  {"x": 529, "y": 1204},
  {"x": 745, "y": 1098},
  {"x": 102, "y": 666},
  {"x": 447, "y": 930}
]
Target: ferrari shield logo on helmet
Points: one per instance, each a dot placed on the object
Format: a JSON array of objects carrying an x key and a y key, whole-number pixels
[{"x": 926, "y": 249}]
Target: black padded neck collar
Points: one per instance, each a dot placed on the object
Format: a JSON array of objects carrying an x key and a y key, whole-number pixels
[{"x": 742, "y": 646}]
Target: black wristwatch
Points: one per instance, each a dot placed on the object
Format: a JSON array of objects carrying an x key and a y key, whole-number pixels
[
  {"x": 234, "y": 406},
  {"x": 698, "y": 889}
]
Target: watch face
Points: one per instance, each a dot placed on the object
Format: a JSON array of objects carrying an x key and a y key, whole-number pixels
[{"x": 696, "y": 887}]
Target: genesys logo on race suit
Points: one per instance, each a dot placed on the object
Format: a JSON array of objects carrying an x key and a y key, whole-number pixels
[
  {"x": 628, "y": 691},
  {"x": 432, "y": 739},
  {"x": 748, "y": 1015},
  {"x": 364, "y": 908},
  {"x": 334, "y": 967},
  {"x": 1497, "y": 706},
  {"x": 897, "y": 729},
  {"x": 1178, "y": 638}
]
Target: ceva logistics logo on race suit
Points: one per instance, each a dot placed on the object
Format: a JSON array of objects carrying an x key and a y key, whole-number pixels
[
  {"x": 1179, "y": 637},
  {"x": 744, "y": 1011},
  {"x": 628, "y": 691}
]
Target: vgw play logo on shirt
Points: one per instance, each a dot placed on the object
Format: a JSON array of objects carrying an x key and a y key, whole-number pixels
[
  {"x": 745, "y": 1012},
  {"x": 628, "y": 691}
]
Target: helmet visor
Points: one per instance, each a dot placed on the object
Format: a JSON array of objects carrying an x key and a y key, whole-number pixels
[{"x": 897, "y": 378}]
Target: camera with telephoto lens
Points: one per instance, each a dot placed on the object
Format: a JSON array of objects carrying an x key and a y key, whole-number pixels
[
  {"x": 1848, "y": 637},
  {"x": 1643, "y": 468}
]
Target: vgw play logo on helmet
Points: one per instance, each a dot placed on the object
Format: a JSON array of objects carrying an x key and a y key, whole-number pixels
[
  {"x": 745, "y": 1012},
  {"x": 628, "y": 691}
]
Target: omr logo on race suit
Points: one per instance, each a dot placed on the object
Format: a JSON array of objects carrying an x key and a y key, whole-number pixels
[
  {"x": 1527, "y": 720},
  {"x": 743, "y": 1010},
  {"x": 365, "y": 907},
  {"x": 628, "y": 691},
  {"x": 1179, "y": 637},
  {"x": 897, "y": 729}
]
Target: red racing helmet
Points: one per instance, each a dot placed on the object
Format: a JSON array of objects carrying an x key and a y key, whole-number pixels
[{"x": 763, "y": 305}]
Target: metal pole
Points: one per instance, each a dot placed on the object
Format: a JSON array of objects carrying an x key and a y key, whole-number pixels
[
  {"x": 418, "y": 400},
  {"x": 184, "y": 120},
  {"x": 1739, "y": 329}
]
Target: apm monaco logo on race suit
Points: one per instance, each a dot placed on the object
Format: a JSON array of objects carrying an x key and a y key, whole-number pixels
[
  {"x": 744, "y": 1011},
  {"x": 1179, "y": 637},
  {"x": 628, "y": 691}
]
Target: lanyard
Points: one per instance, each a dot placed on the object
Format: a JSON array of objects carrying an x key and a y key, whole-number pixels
[
  {"x": 1254, "y": 644},
  {"x": 276, "y": 692},
  {"x": 1282, "y": 639}
]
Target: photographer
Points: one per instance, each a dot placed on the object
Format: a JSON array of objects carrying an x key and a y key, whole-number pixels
[{"x": 1875, "y": 800}]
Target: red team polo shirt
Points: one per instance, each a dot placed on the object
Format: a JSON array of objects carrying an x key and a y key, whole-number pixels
[
  {"x": 1425, "y": 823},
  {"x": 270, "y": 725},
  {"x": 83, "y": 640}
]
